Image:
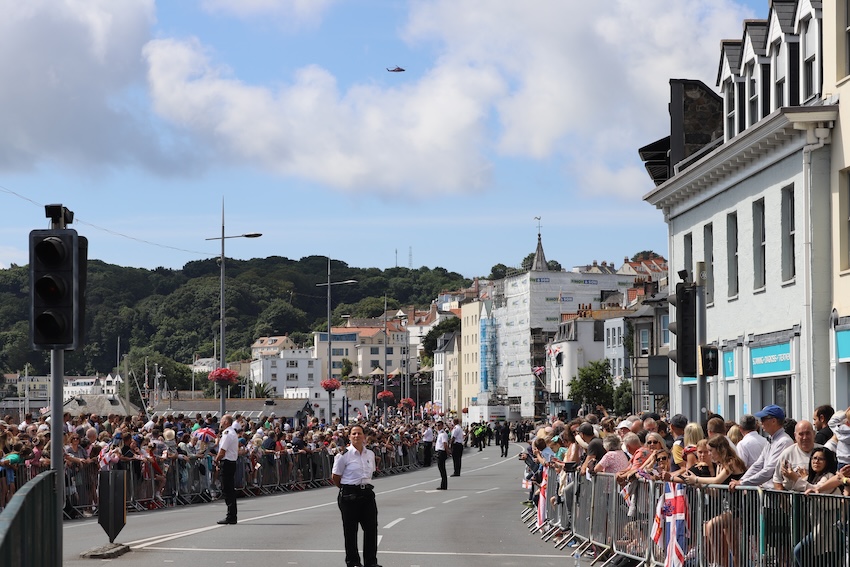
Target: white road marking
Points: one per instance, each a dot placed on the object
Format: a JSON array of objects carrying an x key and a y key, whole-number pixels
[
  {"x": 455, "y": 499},
  {"x": 422, "y": 510},
  {"x": 341, "y": 552},
  {"x": 394, "y": 522},
  {"x": 488, "y": 490}
]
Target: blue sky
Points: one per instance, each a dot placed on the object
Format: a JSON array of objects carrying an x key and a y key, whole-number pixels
[{"x": 143, "y": 116}]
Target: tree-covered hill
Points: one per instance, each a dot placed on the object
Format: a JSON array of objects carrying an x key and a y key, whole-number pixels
[{"x": 175, "y": 313}]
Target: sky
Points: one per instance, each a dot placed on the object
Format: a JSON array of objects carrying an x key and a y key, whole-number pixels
[{"x": 146, "y": 119}]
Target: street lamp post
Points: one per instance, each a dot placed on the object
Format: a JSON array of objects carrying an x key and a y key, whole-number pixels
[
  {"x": 330, "y": 352},
  {"x": 222, "y": 359}
]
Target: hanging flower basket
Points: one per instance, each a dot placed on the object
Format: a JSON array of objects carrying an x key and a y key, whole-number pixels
[
  {"x": 331, "y": 385},
  {"x": 407, "y": 403},
  {"x": 223, "y": 376},
  {"x": 386, "y": 396},
  {"x": 465, "y": 410}
]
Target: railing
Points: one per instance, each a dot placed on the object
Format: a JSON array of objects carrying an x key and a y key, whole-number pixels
[
  {"x": 27, "y": 522},
  {"x": 710, "y": 525},
  {"x": 181, "y": 480}
]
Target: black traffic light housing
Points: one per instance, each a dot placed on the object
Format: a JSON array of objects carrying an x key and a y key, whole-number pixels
[
  {"x": 685, "y": 329},
  {"x": 58, "y": 261}
]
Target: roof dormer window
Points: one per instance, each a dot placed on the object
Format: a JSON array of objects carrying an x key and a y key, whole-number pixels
[{"x": 810, "y": 48}]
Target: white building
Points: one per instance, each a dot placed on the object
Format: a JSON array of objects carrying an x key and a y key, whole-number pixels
[
  {"x": 754, "y": 206},
  {"x": 528, "y": 310}
]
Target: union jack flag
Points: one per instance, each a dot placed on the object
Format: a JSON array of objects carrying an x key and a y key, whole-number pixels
[
  {"x": 541, "y": 499},
  {"x": 672, "y": 512}
]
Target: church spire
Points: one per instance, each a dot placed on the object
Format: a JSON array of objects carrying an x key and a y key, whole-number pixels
[{"x": 539, "y": 263}]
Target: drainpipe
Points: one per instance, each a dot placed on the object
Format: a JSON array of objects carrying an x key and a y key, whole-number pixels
[{"x": 817, "y": 136}]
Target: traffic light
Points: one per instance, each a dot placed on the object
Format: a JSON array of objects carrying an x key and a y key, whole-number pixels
[
  {"x": 685, "y": 329},
  {"x": 709, "y": 359},
  {"x": 58, "y": 259}
]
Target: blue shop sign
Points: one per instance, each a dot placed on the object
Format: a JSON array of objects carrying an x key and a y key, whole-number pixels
[
  {"x": 771, "y": 360},
  {"x": 729, "y": 365},
  {"x": 842, "y": 345}
]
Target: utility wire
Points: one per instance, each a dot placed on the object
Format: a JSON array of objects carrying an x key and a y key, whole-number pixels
[{"x": 110, "y": 231}]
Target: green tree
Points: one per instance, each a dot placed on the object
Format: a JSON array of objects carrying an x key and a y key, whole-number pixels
[
  {"x": 347, "y": 367},
  {"x": 429, "y": 343},
  {"x": 645, "y": 255},
  {"x": 498, "y": 272},
  {"x": 593, "y": 385},
  {"x": 623, "y": 398},
  {"x": 554, "y": 265}
]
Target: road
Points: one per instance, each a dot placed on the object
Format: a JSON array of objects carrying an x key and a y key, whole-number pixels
[{"x": 475, "y": 523}]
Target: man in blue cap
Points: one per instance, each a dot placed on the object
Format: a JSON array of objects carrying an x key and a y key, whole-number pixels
[{"x": 760, "y": 473}]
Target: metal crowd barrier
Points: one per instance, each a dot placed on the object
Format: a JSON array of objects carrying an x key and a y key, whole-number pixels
[
  {"x": 181, "y": 480},
  {"x": 748, "y": 527}
]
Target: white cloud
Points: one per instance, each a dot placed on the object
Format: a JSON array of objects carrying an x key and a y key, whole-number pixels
[
  {"x": 69, "y": 69},
  {"x": 583, "y": 83},
  {"x": 426, "y": 137}
]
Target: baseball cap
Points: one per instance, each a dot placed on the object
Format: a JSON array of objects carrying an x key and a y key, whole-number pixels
[
  {"x": 586, "y": 429},
  {"x": 679, "y": 421},
  {"x": 771, "y": 411},
  {"x": 625, "y": 423}
]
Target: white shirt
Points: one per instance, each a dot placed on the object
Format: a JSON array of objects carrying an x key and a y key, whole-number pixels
[
  {"x": 761, "y": 472},
  {"x": 796, "y": 458},
  {"x": 354, "y": 467},
  {"x": 457, "y": 434},
  {"x": 442, "y": 441},
  {"x": 750, "y": 447},
  {"x": 229, "y": 442},
  {"x": 428, "y": 435}
]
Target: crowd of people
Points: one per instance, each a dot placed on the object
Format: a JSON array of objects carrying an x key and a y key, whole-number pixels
[
  {"x": 175, "y": 454},
  {"x": 765, "y": 449}
]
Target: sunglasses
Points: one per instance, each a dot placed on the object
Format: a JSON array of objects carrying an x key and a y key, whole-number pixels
[{"x": 659, "y": 459}]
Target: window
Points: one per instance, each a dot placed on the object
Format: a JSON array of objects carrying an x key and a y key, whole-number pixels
[
  {"x": 789, "y": 267},
  {"x": 292, "y": 376},
  {"x": 373, "y": 364},
  {"x": 688, "y": 253},
  {"x": 779, "y": 85},
  {"x": 274, "y": 377},
  {"x": 292, "y": 364},
  {"x": 339, "y": 351},
  {"x": 665, "y": 329},
  {"x": 373, "y": 350},
  {"x": 309, "y": 364},
  {"x": 730, "y": 108},
  {"x": 810, "y": 51},
  {"x": 708, "y": 256},
  {"x": 607, "y": 337},
  {"x": 732, "y": 254},
  {"x": 619, "y": 336},
  {"x": 389, "y": 350},
  {"x": 846, "y": 6},
  {"x": 274, "y": 364},
  {"x": 844, "y": 212},
  {"x": 765, "y": 89},
  {"x": 644, "y": 342},
  {"x": 759, "y": 245},
  {"x": 753, "y": 94}
]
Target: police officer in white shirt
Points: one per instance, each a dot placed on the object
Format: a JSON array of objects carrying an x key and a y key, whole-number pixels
[
  {"x": 352, "y": 472},
  {"x": 442, "y": 447},
  {"x": 228, "y": 451},
  {"x": 457, "y": 447},
  {"x": 427, "y": 443}
]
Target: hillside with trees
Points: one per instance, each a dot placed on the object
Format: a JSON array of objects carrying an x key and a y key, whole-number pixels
[{"x": 172, "y": 316}]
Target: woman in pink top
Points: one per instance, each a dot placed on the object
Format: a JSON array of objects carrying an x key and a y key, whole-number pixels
[{"x": 615, "y": 460}]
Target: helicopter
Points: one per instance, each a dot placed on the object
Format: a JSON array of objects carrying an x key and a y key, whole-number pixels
[{"x": 397, "y": 69}]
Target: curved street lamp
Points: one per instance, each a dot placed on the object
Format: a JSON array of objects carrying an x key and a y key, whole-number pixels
[
  {"x": 222, "y": 359},
  {"x": 330, "y": 352}
]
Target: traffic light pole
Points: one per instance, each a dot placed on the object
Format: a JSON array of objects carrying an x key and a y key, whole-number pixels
[
  {"x": 702, "y": 398},
  {"x": 58, "y": 217}
]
